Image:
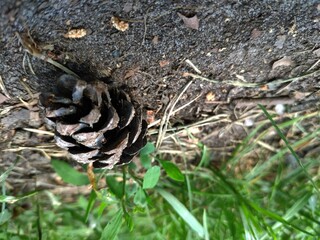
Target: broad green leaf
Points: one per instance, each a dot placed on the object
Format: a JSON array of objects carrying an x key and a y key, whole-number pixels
[
  {"x": 145, "y": 157},
  {"x": 111, "y": 231},
  {"x": 184, "y": 213},
  {"x": 151, "y": 177},
  {"x": 131, "y": 190},
  {"x": 146, "y": 161},
  {"x": 172, "y": 170},
  {"x": 147, "y": 149},
  {"x": 115, "y": 186},
  {"x": 4, "y": 216},
  {"x": 69, "y": 174},
  {"x": 140, "y": 198}
]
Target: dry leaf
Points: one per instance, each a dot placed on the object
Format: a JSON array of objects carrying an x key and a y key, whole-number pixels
[
  {"x": 34, "y": 116},
  {"x": 300, "y": 95},
  {"x": 118, "y": 24},
  {"x": 192, "y": 22},
  {"x": 128, "y": 7},
  {"x": 255, "y": 33},
  {"x": 131, "y": 72},
  {"x": 285, "y": 61},
  {"x": 76, "y": 33}
]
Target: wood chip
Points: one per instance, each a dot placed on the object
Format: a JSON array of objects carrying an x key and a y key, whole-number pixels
[
  {"x": 283, "y": 62},
  {"x": 3, "y": 98},
  {"x": 264, "y": 87},
  {"x": 317, "y": 51},
  {"x": 255, "y": 33},
  {"x": 150, "y": 116},
  {"x": 155, "y": 40},
  {"x": 119, "y": 24},
  {"x": 76, "y": 33},
  {"x": 210, "y": 96},
  {"x": 164, "y": 63},
  {"x": 190, "y": 22}
]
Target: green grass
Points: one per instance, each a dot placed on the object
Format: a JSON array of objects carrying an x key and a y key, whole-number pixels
[{"x": 272, "y": 199}]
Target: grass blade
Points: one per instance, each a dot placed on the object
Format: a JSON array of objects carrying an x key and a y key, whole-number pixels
[
  {"x": 112, "y": 229},
  {"x": 205, "y": 225},
  {"x": 91, "y": 202},
  {"x": 288, "y": 145},
  {"x": 184, "y": 213}
]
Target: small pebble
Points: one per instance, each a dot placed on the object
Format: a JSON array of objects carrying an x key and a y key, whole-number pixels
[
  {"x": 279, "y": 108},
  {"x": 248, "y": 122}
]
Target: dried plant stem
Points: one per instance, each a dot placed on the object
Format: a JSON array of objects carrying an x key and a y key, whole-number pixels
[
  {"x": 43, "y": 132},
  {"x": 175, "y": 111},
  {"x": 252, "y": 85},
  {"x": 30, "y": 47},
  {"x": 167, "y": 114},
  {"x": 263, "y": 101},
  {"x": 3, "y": 88}
]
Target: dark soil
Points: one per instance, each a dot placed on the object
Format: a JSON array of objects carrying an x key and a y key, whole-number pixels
[{"x": 251, "y": 41}]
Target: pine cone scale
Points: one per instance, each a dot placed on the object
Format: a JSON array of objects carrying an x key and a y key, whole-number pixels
[
  {"x": 83, "y": 157},
  {"x": 69, "y": 129},
  {"x": 92, "y": 118}
]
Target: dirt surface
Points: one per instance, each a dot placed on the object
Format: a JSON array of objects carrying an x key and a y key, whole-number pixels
[{"x": 166, "y": 45}]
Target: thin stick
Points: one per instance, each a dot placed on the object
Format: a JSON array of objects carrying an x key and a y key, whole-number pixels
[
  {"x": 313, "y": 66},
  {"x": 145, "y": 28}
]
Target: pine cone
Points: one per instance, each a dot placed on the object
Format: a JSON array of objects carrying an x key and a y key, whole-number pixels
[{"x": 94, "y": 123}]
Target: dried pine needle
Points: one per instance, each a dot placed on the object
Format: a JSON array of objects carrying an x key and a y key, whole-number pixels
[{"x": 3, "y": 88}]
